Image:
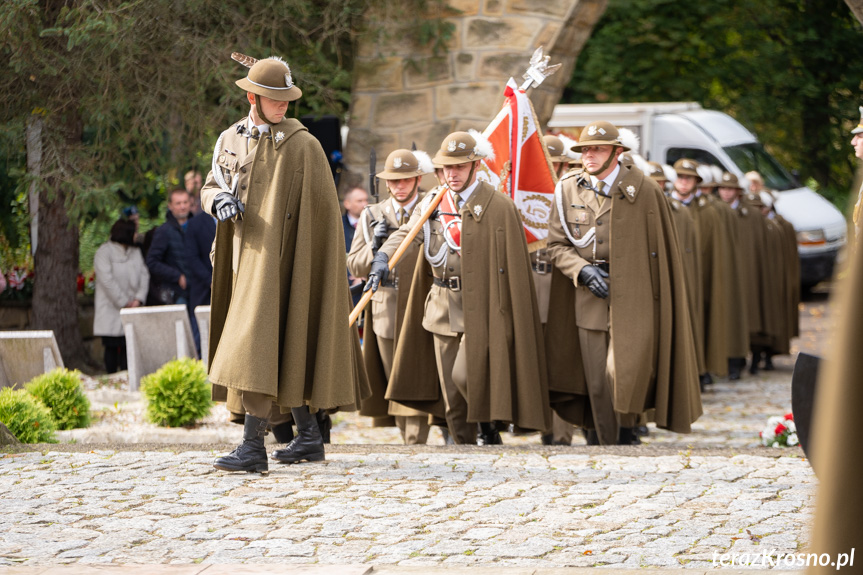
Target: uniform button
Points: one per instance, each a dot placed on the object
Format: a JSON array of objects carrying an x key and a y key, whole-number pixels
[
  {"x": 243, "y": 186},
  {"x": 243, "y": 169},
  {"x": 653, "y": 254},
  {"x": 288, "y": 216},
  {"x": 599, "y": 222},
  {"x": 500, "y": 270},
  {"x": 452, "y": 251},
  {"x": 452, "y": 269},
  {"x": 599, "y": 241}
]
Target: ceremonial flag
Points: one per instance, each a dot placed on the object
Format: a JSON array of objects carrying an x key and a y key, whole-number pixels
[{"x": 521, "y": 167}]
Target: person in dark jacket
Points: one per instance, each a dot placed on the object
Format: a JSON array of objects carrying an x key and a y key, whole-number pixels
[
  {"x": 200, "y": 233},
  {"x": 166, "y": 258}
]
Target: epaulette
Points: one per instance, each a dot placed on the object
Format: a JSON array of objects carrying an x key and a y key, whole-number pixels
[{"x": 570, "y": 174}]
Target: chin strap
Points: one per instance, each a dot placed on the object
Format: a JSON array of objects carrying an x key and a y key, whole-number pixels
[
  {"x": 469, "y": 179},
  {"x": 611, "y": 158},
  {"x": 261, "y": 113}
]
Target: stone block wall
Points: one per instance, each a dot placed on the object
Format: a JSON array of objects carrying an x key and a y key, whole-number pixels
[{"x": 402, "y": 95}]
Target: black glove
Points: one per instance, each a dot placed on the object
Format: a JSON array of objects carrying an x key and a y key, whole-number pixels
[
  {"x": 381, "y": 231},
  {"x": 379, "y": 273},
  {"x": 594, "y": 279},
  {"x": 227, "y": 206}
]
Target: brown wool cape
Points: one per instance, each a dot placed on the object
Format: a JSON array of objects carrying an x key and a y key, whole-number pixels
[
  {"x": 714, "y": 260},
  {"x": 792, "y": 271},
  {"x": 654, "y": 351},
  {"x": 506, "y": 371},
  {"x": 687, "y": 234},
  {"x": 733, "y": 282},
  {"x": 286, "y": 334}
]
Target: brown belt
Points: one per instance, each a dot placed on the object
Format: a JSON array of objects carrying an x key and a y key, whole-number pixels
[{"x": 541, "y": 267}]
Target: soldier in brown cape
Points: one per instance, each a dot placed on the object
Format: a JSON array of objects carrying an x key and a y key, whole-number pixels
[
  {"x": 687, "y": 235},
  {"x": 279, "y": 340},
  {"x": 839, "y": 457},
  {"x": 752, "y": 254},
  {"x": 558, "y": 150},
  {"x": 712, "y": 264},
  {"x": 733, "y": 279},
  {"x": 472, "y": 311},
  {"x": 627, "y": 345},
  {"x": 385, "y": 315}
]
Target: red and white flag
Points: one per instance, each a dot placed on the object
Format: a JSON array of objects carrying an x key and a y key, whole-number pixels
[{"x": 521, "y": 167}]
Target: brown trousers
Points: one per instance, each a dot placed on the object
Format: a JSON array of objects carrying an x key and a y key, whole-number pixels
[
  {"x": 414, "y": 427},
  {"x": 263, "y": 407},
  {"x": 452, "y": 370}
]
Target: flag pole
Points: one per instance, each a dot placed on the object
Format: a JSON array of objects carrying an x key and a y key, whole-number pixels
[{"x": 427, "y": 213}]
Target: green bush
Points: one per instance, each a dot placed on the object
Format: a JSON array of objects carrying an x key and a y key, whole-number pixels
[
  {"x": 178, "y": 394},
  {"x": 61, "y": 392},
  {"x": 26, "y": 416}
]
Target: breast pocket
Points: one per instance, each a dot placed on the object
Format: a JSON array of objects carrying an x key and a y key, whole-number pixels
[
  {"x": 579, "y": 219},
  {"x": 227, "y": 162}
]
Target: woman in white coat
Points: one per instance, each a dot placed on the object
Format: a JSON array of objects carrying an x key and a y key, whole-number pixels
[{"x": 122, "y": 280}]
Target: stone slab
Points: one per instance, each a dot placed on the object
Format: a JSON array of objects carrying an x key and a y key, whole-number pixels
[
  {"x": 290, "y": 569},
  {"x": 202, "y": 314},
  {"x": 154, "y": 336},
  {"x": 27, "y": 354}
]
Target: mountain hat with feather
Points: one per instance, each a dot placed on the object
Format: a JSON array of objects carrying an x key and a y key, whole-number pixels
[
  {"x": 270, "y": 77},
  {"x": 403, "y": 164},
  {"x": 463, "y": 147},
  {"x": 599, "y": 134}
]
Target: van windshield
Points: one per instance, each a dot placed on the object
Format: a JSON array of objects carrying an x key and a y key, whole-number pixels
[{"x": 749, "y": 157}]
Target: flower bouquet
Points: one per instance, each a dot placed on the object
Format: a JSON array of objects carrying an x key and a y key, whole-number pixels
[{"x": 780, "y": 432}]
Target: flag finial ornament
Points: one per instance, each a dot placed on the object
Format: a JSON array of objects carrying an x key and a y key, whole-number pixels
[{"x": 539, "y": 70}]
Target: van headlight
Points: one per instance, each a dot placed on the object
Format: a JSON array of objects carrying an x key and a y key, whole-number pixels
[{"x": 811, "y": 237}]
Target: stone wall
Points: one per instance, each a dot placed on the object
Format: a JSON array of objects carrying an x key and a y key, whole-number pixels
[{"x": 402, "y": 96}]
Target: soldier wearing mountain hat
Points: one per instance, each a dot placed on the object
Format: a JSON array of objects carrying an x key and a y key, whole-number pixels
[
  {"x": 628, "y": 339},
  {"x": 280, "y": 347},
  {"x": 384, "y": 317},
  {"x": 751, "y": 233},
  {"x": 472, "y": 312}
]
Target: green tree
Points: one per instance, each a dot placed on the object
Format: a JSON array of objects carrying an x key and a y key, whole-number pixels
[
  {"x": 790, "y": 70},
  {"x": 117, "y": 94}
]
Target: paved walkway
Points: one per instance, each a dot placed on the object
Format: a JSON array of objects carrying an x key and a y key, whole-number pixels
[{"x": 677, "y": 502}]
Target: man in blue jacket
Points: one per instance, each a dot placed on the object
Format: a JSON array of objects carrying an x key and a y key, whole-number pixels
[{"x": 166, "y": 258}]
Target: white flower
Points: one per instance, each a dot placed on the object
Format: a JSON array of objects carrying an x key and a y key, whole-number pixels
[
  {"x": 792, "y": 440},
  {"x": 790, "y": 425},
  {"x": 775, "y": 444}
]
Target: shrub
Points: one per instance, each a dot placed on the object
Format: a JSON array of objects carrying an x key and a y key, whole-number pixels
[
  {"x": 26, "y": 416},
  {"x": 178, "y": 394},
  {"x": 61, "y": 392}
]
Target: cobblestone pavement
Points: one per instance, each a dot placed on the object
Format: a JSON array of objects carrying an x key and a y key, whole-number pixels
[{"x": 677, "y": 502}]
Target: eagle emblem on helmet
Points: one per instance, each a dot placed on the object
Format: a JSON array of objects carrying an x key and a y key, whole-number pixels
[
  {"x": 397, "y": 163},
  {"x": 450, "y": 146},
  {"x": 687, "y": 165},
  {"x": 591, "y": 131},
  {"x": 289, "y": 82}
]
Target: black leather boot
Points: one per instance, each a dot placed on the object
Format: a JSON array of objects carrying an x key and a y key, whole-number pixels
[
  {"x": 547, "y": 438},
  {"x": 590, "y": 436},
  {"x": 325, "y": 424},
  {"x": 283, "y": 432},
  {"x": 768, "y": 361},
  {"x": 756, "y": 359},
  {"x": 308, "y": 445},
  {"x": 489, "y": 434},
  {"x": 628, "y": 437},
  {"x": 251, "y": 455},
  {"x": 734, "y": 368}
]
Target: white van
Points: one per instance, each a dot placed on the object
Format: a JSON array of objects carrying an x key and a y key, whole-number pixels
[{"x": 670, "y": 131}]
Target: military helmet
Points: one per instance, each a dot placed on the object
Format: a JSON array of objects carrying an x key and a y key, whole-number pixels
[
  {"x": 859, "y": 127},
  {"x": 687, "y": 167},
  {"x": 271, "y": 78},
  {"x": 556, "y": 150},
  {"x": 599, "y": 133},
  {"x": 462, "y": 148},
  {"x": 655, "y": 171},
  {"x": 729, "y": 180},
  {"x": 403, "y": 164}
]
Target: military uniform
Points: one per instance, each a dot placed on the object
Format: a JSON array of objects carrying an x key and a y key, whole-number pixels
[
  {"x": 279, "y": 343},
  {"x": 472, "y": 292},
  {"x": 645, "y": 290},
  {"x": 384, "y": 316}
]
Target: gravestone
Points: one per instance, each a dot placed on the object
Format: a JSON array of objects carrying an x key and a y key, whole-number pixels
[
  {"x": 26, "y": 354},
  {"x": 202, "y": 314},
  {"x": 154, "y": 336},
  {"x": 7, "y": 437}
]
